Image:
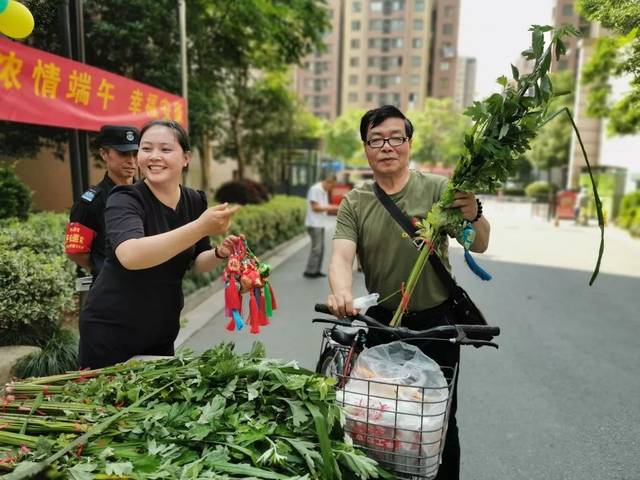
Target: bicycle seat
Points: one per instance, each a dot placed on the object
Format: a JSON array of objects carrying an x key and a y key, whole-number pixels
[{"x": 343, "y": 336}]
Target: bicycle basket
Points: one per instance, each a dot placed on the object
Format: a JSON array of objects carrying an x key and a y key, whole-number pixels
[{"x": 402, "y": 427}]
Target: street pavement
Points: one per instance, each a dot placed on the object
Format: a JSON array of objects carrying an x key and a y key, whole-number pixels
[{"x": 560, "y": 399}]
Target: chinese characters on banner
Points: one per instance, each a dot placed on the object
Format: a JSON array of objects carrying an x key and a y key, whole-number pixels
[{"x": 46, "y": 89}]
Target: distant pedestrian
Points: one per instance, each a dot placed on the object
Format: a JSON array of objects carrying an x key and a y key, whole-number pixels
[
  {"x": 317, "y": 208},
  {"x": 581, "y": 206}
]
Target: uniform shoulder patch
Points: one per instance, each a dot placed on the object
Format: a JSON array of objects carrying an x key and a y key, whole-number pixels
[{"x": 89, "y": 195}]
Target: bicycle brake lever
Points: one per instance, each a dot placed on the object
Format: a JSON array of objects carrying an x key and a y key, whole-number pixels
[
  {"x": 332, "y": 321},
  {"x": 479, "y": 343}
]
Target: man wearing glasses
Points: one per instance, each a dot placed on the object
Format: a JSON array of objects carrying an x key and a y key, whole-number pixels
[{"x": 366, "y": 229}]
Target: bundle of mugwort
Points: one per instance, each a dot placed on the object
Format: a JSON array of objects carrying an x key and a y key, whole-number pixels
[
  {"x": 503, "y": 125},
  {"x": 220, "y": 415},
  {"x": 245, "y": 273}
]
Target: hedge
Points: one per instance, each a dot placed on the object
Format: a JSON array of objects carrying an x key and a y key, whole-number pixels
[
  {"x": 540, "y": 190},
  {"x": 37, "y": 280},
  {"x": 629, "y": 217}
]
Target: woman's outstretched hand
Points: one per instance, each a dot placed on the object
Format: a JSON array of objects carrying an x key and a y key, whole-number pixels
[{"x": 216, "y": 220}]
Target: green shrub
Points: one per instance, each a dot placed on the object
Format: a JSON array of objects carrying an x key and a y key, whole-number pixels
[
  {"x": 41, "y": 232},
  {"x": 15, "y": 197},
  {"x": 513, "y": 192},
  {"x": 629, "y": 217},
  {"x": 264, "y": 226},
  {"x": 58, "y": 355},
  {"x": 35, "y": 291},
  {"x": 540, "y": 190}
]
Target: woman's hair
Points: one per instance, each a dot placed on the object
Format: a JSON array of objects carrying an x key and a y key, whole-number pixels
[{"x": 180, "y": 133}]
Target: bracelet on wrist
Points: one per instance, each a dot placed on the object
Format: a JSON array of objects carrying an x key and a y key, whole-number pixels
[
  {"x": 215, "y": 252},
  {"x": 479, "y": 214}
]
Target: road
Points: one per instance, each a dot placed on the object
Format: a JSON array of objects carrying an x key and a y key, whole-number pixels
[{"x": 560, "y": 399}]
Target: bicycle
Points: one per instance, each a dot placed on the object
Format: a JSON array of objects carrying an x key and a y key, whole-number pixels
[{"x": 401, "y": 426}]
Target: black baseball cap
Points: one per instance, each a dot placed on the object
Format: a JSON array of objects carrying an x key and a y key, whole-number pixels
[{"x": 121, "y": 138}]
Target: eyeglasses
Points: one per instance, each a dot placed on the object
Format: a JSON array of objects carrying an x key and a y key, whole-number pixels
[{"x": 392, "y": 141}]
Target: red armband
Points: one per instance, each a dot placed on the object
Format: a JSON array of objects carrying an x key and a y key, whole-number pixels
[{"x": 78, "y": 238}]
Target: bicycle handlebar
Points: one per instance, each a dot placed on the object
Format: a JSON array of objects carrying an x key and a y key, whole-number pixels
[{"x": 404, "y": 332}]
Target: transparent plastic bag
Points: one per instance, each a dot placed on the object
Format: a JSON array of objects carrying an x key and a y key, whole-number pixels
[{"x": 395, "y": 402}]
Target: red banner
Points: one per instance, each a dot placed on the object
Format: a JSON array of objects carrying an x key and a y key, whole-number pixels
[{"x": 38, "y": 87}]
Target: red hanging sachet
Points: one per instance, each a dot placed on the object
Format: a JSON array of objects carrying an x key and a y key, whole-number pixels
[{"x": 244, "y": 273}]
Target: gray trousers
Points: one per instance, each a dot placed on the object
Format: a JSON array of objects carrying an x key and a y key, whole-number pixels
[{"x": 314, "y": 264}]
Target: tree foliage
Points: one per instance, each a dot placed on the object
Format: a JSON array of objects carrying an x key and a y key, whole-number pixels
[
  {"x": 615, "y": 55},
  {"x": 438, "y": 133},
  {"x": 231, "y": 46},
  {"x": 342, "y": 138}
]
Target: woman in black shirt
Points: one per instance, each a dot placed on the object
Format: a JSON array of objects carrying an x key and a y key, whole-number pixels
[{"x": 156, "y": 230}]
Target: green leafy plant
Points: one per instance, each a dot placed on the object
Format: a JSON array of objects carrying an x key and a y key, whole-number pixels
[
  {"x": 629, "y": 217},
  {"x": 540, "y": 190},
  {"x": 58, "y": 355},
  {"x": 219, "y": 415},
  {"x": 504, "y": 124},
  {"x": 15, "y": 197},
  {"x": 35, "y": 291}
]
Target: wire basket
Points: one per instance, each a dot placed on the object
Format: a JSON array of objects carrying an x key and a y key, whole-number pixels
[{"x": 402, "y": 427}]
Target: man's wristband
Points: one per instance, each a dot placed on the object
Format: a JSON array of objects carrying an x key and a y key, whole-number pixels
[
  {"x": 479, "y": 214},
  {"x": 215, "y": 252}
]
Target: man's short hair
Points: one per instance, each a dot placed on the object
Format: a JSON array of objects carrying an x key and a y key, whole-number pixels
[
  {"x": 327, "y": 177},
  {"x": 376, "y": 116}
]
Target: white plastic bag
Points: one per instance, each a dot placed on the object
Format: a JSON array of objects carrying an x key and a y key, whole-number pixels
[{"x": 395, "y": 402}]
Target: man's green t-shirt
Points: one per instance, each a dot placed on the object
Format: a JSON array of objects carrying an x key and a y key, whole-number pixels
[{"x": 385, "y": 252}]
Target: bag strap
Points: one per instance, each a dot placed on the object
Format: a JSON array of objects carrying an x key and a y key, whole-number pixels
[{"x": 403, "y": 220}]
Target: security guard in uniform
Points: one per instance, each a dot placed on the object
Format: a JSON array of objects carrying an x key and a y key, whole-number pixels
[{"x": 85, "y": 236}]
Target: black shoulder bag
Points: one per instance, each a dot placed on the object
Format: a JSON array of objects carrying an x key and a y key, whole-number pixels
[{"x": 466, "y": 311}]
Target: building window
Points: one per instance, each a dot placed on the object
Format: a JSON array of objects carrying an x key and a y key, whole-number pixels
[
  {"x": 375, "y": 25},
  {"x": 418, "y": 24},
  {"x": 416, "y": 62},
  {"x": 396, "y": 99},
  {"x": 375, "y": 5},
  {"x": 397, "y": 5},
  {"x": 353, "y": 97},
  {"x": 354, "y": 62},
  {"x": 397, "y": 42},
  {"x": 353, "y": 79},
  {"x": 444, "y": 66},
  {"x": 356, "y": 6},
  {"x": 397, "y": 24},
  {"x": 448, "y": 11},
  {"x": 414, "y": 79},
  {"x": 447, "y": 28},
  {"x": 355, "y": 43},
  {"x": 413, "y": 97},
  {"x": 419, "y": 6},
  {"x": 355, "y": 25},
  {"x": 448, "y": 51},
  {"x": 416, "y": 43},
  {"x": 444, "y": 83},
  {"x": 369, "y": 97},
  {"x": 567, "y": 10}
]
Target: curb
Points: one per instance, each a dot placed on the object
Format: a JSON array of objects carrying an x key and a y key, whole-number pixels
[{"x": 204, "y": 304}]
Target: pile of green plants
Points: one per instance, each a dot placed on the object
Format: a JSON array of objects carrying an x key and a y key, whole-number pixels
[
  {"x": 265, "y": 226},
  {"x": 221, "y": 416},
  {"x": 629, "y": 217}
]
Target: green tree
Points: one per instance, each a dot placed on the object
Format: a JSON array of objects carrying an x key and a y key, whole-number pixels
[
  {"x": 342, "y": 138},
  {"x": 438, "y": 137},
  {"x": 614, "y": 55},
  {"x": 551, "y": 146}
]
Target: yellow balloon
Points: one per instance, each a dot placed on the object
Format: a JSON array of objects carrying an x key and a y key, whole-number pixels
[{"x": 16, "y": 21}]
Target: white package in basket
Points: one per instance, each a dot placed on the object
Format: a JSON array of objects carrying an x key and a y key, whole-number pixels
[{"x": 395, "y": 402}]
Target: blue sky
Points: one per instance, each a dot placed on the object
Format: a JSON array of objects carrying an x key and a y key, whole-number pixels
[{"x": 495, "y": 32}]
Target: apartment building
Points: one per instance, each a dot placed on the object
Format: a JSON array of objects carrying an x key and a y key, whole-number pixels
[
  {"x": 465, "y": 82},
  {"x": 382, "y": 52},
  {"x": 317, "y": 81},
  {"x": 564, "y": 13}
]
